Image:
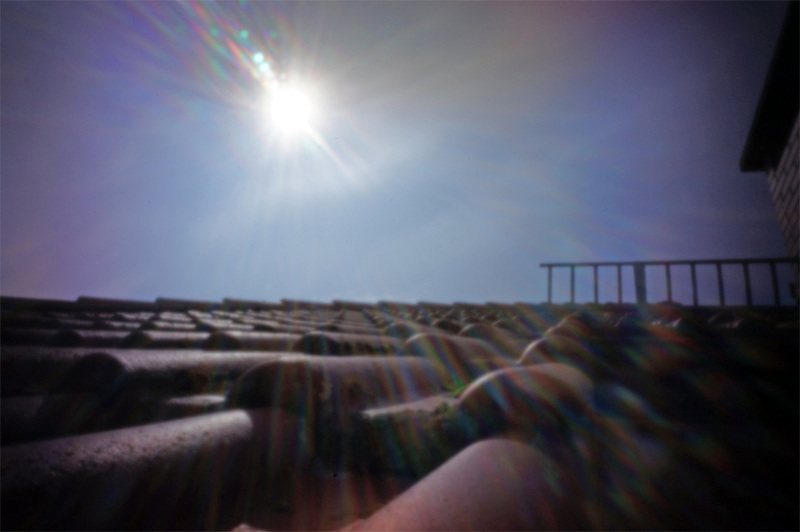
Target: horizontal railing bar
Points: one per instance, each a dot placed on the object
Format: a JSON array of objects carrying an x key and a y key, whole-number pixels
[{"x": 778, "y": 260}]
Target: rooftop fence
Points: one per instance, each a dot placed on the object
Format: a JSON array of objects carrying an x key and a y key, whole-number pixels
[{"x": 640, "y": 277}]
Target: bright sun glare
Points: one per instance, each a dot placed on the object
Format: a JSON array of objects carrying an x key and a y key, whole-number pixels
[{"x": 290, "y": 110}]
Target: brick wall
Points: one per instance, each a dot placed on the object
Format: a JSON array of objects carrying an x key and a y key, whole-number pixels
[{"x": 783, "y": 184}]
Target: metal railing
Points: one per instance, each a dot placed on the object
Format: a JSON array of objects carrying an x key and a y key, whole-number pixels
[{"x": 640, "y": 278}]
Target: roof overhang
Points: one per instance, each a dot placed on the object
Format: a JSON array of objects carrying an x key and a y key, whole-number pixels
[{"x": 778, "y": 104}]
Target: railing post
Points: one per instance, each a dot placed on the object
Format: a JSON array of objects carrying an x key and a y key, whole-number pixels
[
  {"x": 596, "y": 295},
  {"x": 669, "y": 282},
  {"x": 619, "y": 283},
  {"x": 775, "y": 289},
  {"x": 720, "y": 286},
  {"x": 572, "y": 283},
  {"x": 748, "y": 291},
  {"x": 694, "y": 283},
  {"x": 549, "y": 284},
  {"x": 640, "y": 281}
]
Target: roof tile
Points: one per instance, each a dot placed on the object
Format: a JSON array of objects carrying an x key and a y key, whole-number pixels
[
  {"x": 166, "y": 339},
  {"x": 105, "y": 468},
  {"x": 87, "y": 338},
  {"x": 422, "y": 388},
  {"x": 101, "y": 303},
  {"x": 27, "y": 336},
  {"x": 465, "y": 358},
  {"x": 251, "y": 341},
  {"x": 222, "y": 325},
  {"x": 159, "y": 325},
  {"x": 30, "y": 321},
  {"x": 329, "y": 343}
]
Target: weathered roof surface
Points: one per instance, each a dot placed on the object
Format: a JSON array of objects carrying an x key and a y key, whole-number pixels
[
  {"x": 299, "y": 415},
  {"x": 779, "y": 101}
]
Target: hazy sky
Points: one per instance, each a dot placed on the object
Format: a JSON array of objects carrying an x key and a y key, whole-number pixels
[{"x": 456, "y": 146}]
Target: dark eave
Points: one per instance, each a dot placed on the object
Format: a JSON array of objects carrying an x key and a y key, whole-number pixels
[{"x": 778, "y": 104}]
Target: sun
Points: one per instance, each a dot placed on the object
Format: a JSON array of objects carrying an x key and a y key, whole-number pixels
[{"x": 290, "y": 110}]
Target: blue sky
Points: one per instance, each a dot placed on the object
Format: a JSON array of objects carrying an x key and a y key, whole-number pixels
[{"x": 456, "y": 146}]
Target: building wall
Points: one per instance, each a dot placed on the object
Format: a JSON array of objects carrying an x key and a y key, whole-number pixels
[{"x": 783, "y": 184}]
